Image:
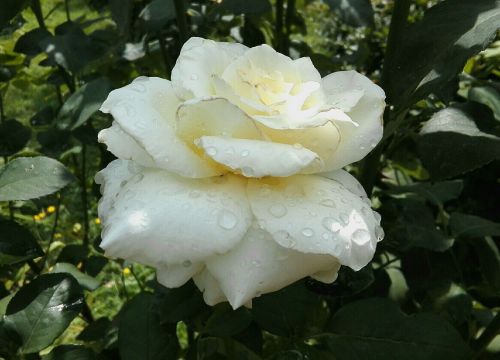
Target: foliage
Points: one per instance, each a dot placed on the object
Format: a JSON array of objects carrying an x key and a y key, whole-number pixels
[{"x": 433, "y": 288}]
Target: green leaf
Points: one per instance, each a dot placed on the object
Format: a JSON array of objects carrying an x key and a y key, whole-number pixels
[
  {"x": 376, "y": 329},
  {"x": 245, "y": 7},
  {"x": 414, "y": 226},
  {"x": 180, "y": 303},
  {"x": 16, "y": 243},
  {"x": 436, "y": 193},
  {"x": 353, "y": 12},
  {"x": 82, "y": 104},
  {"x": 452, "y": 134},
  {"x": 30, "y": 42},
  {"x": 489, "y": 260},
  {"x": 141, "y": 336},
  {"x": 95, "y": 331},
  {"x": 9, "y": 9},
  {"x": 121, "y": 13},
  {"x": 470, "y": 226},
  {"x": 43, "y": 309},
  {"x": 157, "y": 14},
  {"x": 70, "y": 352},
  {"x": 27, "y": 178},
  {"x": 287, "y": 311},
  {"x": 217, "y": 348},
  {"x": 13, "y": 137},
  {"x": 87, "y": 282},
  {"x": 225, "y": 321},
  {"x": 486, "y": 95},
  {"x": 435, "y": 49}
]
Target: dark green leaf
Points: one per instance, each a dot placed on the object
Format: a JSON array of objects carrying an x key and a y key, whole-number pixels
[
  {"x": 27, "y": 178},
  {"x": 225, "y": 321},
  {"x": 86, "y": 281},
  {"x": 29, "y": 43},
  {"x": 285, "y": 312},
  {"x": 81, "y": 105},
  {"x": 353, "y": 12},
  {"x": 486, "y": 95},
  {"x": 17, "y": 243},
  {"x": 73, "y": 254},
  {"x": 437, "y": 193},
  {"x": 13, "y": 137},
  {"x": 121, "y": 12},
  {"x": 470, "y": 226},
  {"x": 43, "y": 117},
  {"x": 489, "y": 260},
  {"x": 9, "y": 9},
  {"x": 141, "y": 336},
  {"x": 70, "y": 352},
  {"x": 95, "y": 331},
  {"x": 376, "y": 329},
  {"x": 216, "y": 348},
  {"x": 41, "y": 310},
  {"x": 181, "y": 303},
  {"x": 414, "y": 226},
  {"x": 94, "y": 265},
  {"x": 245, "y": 7},
  {"x": 157, "y": 14},
  {"x": 435, "y": 49},
  {"x": 452, "y": 134}
]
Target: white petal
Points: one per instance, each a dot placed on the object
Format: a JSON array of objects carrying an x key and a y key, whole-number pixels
[
  {"x": 347, "y": 180},
  {"x": 199, "y": 60},
  {"x": 159, "y": 218},
  {"x": 123, "y": 146},
  {"x": 367, "y": 112},
  {"x": 213, "y": 116},
  {"x": 212, "y": 293},
  {"x": 258, "y": 265},
  {"x": 256, "y": 158},
  {"x": 313, "y": 214},
  {"x": 328, "y": 276},
  {"x": 146, "y": 110},
  {"x": 112, "y": 179},
  {"x": 177, "y": 275},
  {"x": 306, "y": 69}
]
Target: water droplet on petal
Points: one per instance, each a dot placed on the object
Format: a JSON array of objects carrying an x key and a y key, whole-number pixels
[
  {"x": 307, "y": 232},
  {"x": 297, "y": 146},
  {"x": 377, "y": 216},
  {"x": 29, "y": 168},
  {"x": 284, "y": 239},
  {"x": 379, "y": 233},
  {"x": 245, "y": 153},
  {"x": 344, "y": 218},
  {"x": 187, "y": 263},
  {"x": 325, "y": 235},
  {"x": 277, "y": 210},
  {"x": 211, "y": 151},
  {"x": 360, "y": 237},
  {"x": 194, "y": 77},
  {"x": 227, "y": 220},
  {"x": 328, "y": 203}
]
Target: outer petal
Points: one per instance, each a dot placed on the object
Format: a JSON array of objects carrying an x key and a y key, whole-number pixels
[
  {"x": 199, "y": 60},
  {"x": 151, "y": 220},
  {"x": 123, "y": 146},
  {"x": 313, "y": 214},
  {"x": 342, "y": 88},
  {"x": 146, "y": 110},
  {"x": 258, "y": 265},
  {"x": 177, "y": 275},
  {"x": 213, "y": 116},
  {"x": 256, "y": 158},
  {"x": 212, "y": 293}
]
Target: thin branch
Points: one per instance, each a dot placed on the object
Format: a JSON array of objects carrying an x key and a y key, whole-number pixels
[{"x": 180, "y": 11}]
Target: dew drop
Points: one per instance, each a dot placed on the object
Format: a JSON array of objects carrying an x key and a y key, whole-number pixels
[
  {"x": 377, "y": 216},
  {"x": 227, "y": 220},
  {"x": 328, "y": 203},
  {"x": 361, "y": 237},
  {"x": 245, "y": 153},
  {"x": 284, "y": 239},
  {"x": 187, "y": 263},
  {"x": 325, "y": 235},
  {"x": 307, "y": 232},
  {"x": 194, "y": 77},
  {"x": 297, "y": 146},
  {"x": 277, "y": 210},
  {"x": 247, "y": 171},
  {"x": 29, "y": 168},
  {"x": 379, "y": 233},
  {"x": 211, "y": 151}
]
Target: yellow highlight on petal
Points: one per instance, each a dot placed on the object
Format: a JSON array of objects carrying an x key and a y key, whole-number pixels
[
  {"x": 36, "y": 217},
  {"x": 97, "y": 221},
  {"x": 126, "y": 271},
  {"x": 51, "y": 209}
]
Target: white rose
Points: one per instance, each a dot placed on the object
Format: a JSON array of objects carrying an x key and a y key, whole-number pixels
[{"x": 213, "y": 178}]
